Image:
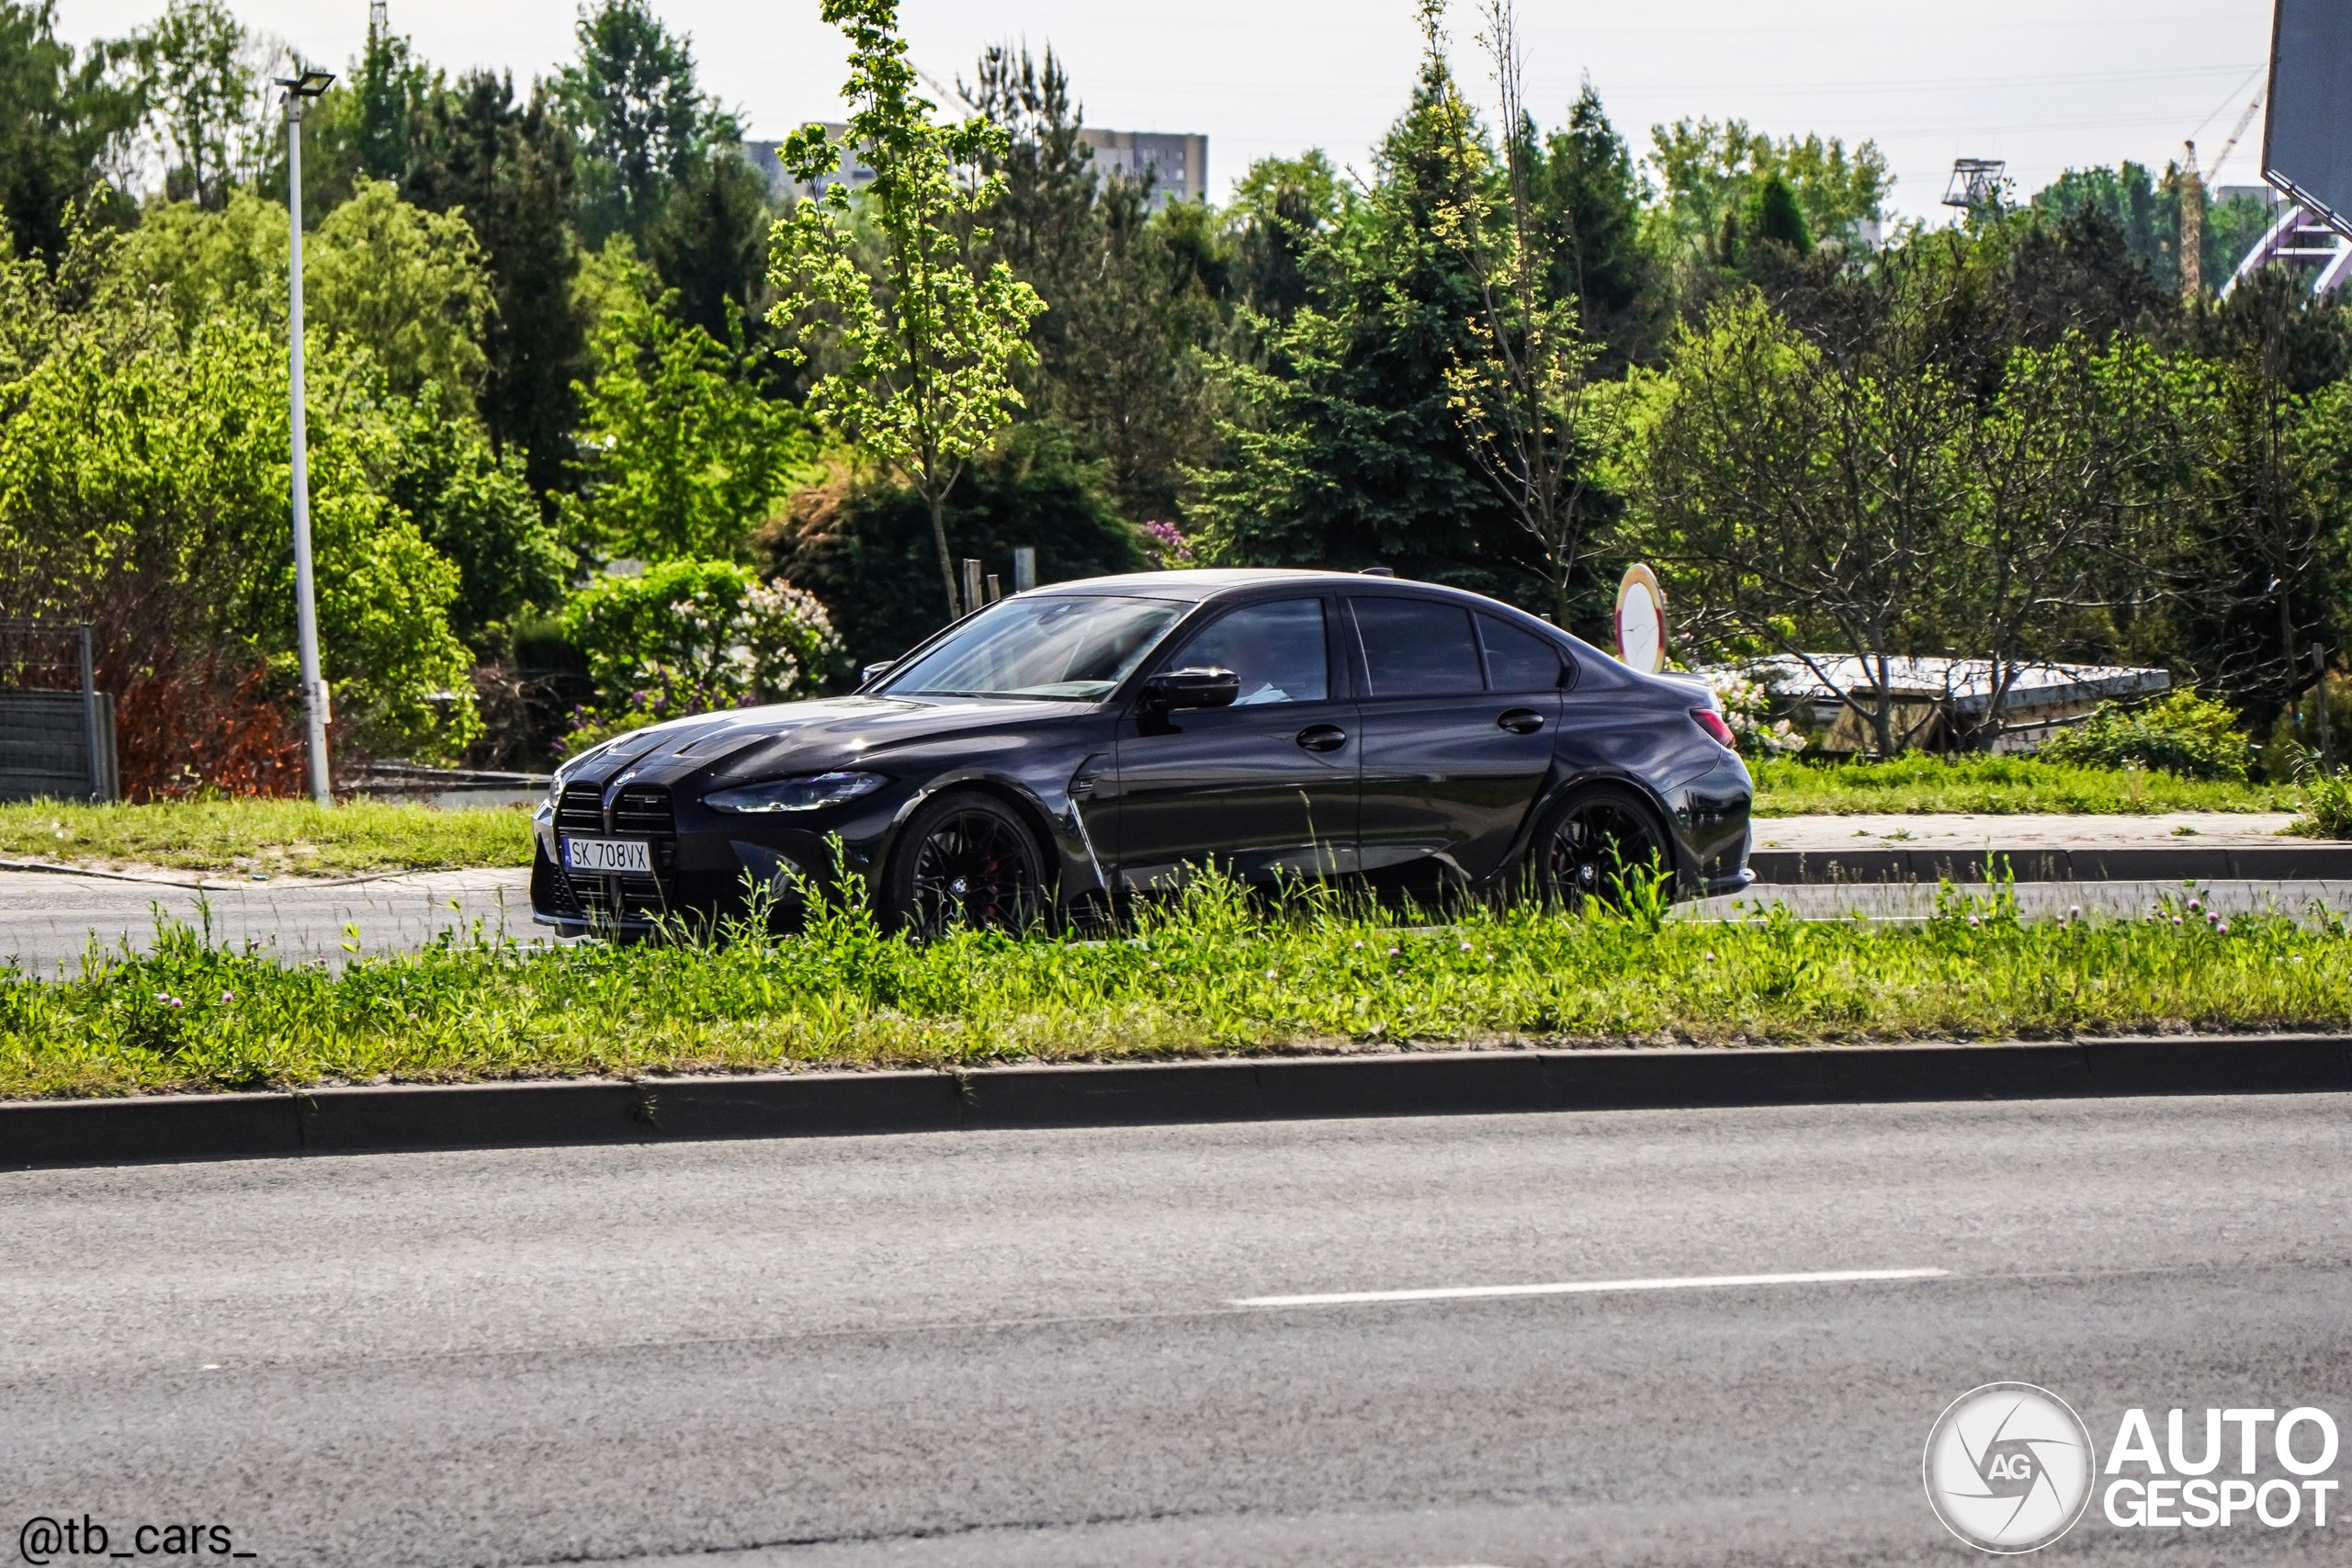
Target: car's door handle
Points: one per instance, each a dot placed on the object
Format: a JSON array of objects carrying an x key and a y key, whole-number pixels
[
  {"x": 1322, "y": 737},
  {"x": 1521, "y": 721}
]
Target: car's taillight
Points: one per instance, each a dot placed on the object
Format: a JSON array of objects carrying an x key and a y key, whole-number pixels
[{"x": 1717, "y": 731}]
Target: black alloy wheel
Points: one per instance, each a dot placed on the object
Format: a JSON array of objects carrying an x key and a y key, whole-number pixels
[
  {"x": 1596, "y": 843},
  {"x": 966, "y": 860}
]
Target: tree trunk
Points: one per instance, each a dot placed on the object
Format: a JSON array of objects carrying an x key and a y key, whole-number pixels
[
  {"x": 939, "y": 536},
  {"x": 1882, "y": 714}
]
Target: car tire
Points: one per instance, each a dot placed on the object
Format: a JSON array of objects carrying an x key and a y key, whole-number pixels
[
  {"x": 964, "y": 859},
  {"x": 1590, "y": 842}
]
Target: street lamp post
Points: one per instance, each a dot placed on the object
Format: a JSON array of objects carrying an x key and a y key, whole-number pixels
[{"x": 300, "y": 91}]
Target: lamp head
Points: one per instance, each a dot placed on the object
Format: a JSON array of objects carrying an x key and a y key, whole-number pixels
[{"x": 309, "y": 85}]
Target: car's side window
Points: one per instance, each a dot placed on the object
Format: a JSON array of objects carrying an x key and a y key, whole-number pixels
[
  {"x": 1418, "y": 648},
  {"x": 1516, "y": 660},
  {"x": 1278, "y": 649}
]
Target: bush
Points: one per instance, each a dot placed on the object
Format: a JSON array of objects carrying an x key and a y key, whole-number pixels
[
  {"x": 692, "y": 636},
  {"x": 1747, "y": 704},
  {"x": 143, "y": 489},
  {"x": 868, "y": 550},
  {"x": 2184, "y": 734}
]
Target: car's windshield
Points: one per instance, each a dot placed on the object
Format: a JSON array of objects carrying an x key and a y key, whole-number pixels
[{"x": 1077, "y": 647}]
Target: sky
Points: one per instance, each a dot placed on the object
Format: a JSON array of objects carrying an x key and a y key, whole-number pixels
[{"x": 2046, "y": 84}]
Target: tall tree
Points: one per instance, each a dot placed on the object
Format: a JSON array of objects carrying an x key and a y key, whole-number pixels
[
  {"x": 1711, "y": 172},
  {"x": 63, "y": 125},
  {"x": 395, "y": 95},
  {"x": 710, "y": 242},
  {"x": 1132, "y": 292},
  {"x": 1280, "y": 209},
  {"x": 926, "y": 342},
  {"x": 631, "y": 101},
  {"x": 1587, "y": 202},
  {"x": 1518, "y": 385},
  {"x": 509, "y": 167},
  {"x": 1345, "y": 451},
  {"x": 201, "y": 76}
]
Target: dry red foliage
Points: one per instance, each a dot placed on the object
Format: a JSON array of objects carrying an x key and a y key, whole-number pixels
[{"x": 188, "y": 725}]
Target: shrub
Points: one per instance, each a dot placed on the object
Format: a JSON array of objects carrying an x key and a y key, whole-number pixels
[
  {"x": 2185, "y": 734},
  {"x": 1747, "y": 704},
  {"x": 692, "y": 636}
]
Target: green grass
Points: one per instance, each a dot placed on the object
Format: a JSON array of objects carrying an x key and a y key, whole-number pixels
[
  {"x": 1919, "y": 783},
  {"x": 1208, "y": 975},
  {"x": 279, "y": 837}
]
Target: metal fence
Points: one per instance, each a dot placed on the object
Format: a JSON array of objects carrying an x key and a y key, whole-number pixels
[{"x": 57, "y": 729}]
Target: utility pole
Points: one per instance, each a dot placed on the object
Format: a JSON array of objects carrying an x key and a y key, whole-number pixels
[{"x": 300, "y": 91}]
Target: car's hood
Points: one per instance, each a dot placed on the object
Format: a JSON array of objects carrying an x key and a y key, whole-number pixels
[{"x": 829, "y": 733}]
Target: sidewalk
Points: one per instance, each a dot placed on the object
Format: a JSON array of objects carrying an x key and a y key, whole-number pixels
[
  {"x": 1975, "y": 831},
  {"x": 50, "y": 918},
  {"x": 2181, "y": 846}
]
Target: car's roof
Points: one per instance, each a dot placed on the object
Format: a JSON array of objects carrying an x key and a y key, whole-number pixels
[{"x": 1192, "y": 582}]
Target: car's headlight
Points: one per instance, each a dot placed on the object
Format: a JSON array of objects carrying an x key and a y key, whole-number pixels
[{"x": 796, "y": 795}]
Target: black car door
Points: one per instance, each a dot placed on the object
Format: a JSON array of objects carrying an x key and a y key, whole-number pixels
[
  {"x": 1460, "y": 711},
  {"x": 1266, "y": 788}
]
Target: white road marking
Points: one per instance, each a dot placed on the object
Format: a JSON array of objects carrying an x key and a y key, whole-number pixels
[{"x": 1592, "y": 1287}]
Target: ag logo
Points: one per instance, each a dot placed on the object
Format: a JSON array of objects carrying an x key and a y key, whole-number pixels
[{"x": 2008, "y": 1468}]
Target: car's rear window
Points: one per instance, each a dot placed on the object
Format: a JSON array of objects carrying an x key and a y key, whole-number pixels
[
  {"x": 1418, "y": 648},
  {"x": 1516, "y": 660}
]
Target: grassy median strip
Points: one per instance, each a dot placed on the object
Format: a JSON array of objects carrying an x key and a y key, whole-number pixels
[
  {"x": 1922, "y": 784},
  {"x": 273, "y": 837},
  {"x": 1209, "y": 974}
]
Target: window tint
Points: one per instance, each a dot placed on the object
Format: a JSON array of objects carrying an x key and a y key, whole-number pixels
[
  {"x": 1516, "y": 660},
  {"x": 1277, "y": 649},
  {"x": 1414, "y": 648}
]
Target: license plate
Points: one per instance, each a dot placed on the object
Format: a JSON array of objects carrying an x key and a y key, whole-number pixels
[{"x": 608, "y": 856}]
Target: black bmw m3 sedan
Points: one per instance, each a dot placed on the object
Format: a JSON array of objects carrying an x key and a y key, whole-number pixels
[{"x": 1068, "y": 746}]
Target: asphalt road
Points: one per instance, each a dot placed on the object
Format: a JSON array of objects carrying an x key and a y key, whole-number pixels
[{"x": 1023, "y": 1348}]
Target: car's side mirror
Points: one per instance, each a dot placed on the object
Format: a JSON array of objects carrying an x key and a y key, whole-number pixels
[
  {"x": 1173, "y": 689},
  {"x": 867, "y": 676}
]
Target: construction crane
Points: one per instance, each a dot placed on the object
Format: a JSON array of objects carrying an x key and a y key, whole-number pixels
[
  {"x": 2192, "y": 186},
  {"x": 2228, "y": 146}
]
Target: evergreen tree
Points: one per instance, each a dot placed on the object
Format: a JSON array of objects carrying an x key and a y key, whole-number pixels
[
  {"x": 1774, "y": 218},
  {"x": 1280, "y": 209},
  {"x": 710, "y": 242},
  {"x": 1130, "y": 294},
  {"x": 1348, "y": 454},
  {"x": 509, "y": 166},
  {"x": 1588, "y": 204},
  {"x": 395, "y": 95}
]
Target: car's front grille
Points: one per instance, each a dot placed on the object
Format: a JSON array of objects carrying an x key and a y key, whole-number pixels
[
  {"x": 638, "y": 811},
  {"x": 581, "y": 811},
  {"x": 643, "y": 808},
  {"x": 606, "y": 899}
]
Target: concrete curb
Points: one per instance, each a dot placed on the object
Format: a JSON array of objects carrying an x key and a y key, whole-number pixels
[
  {"x": 541, "y": 1114},
  {"x": 2263, "y": 862}
]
